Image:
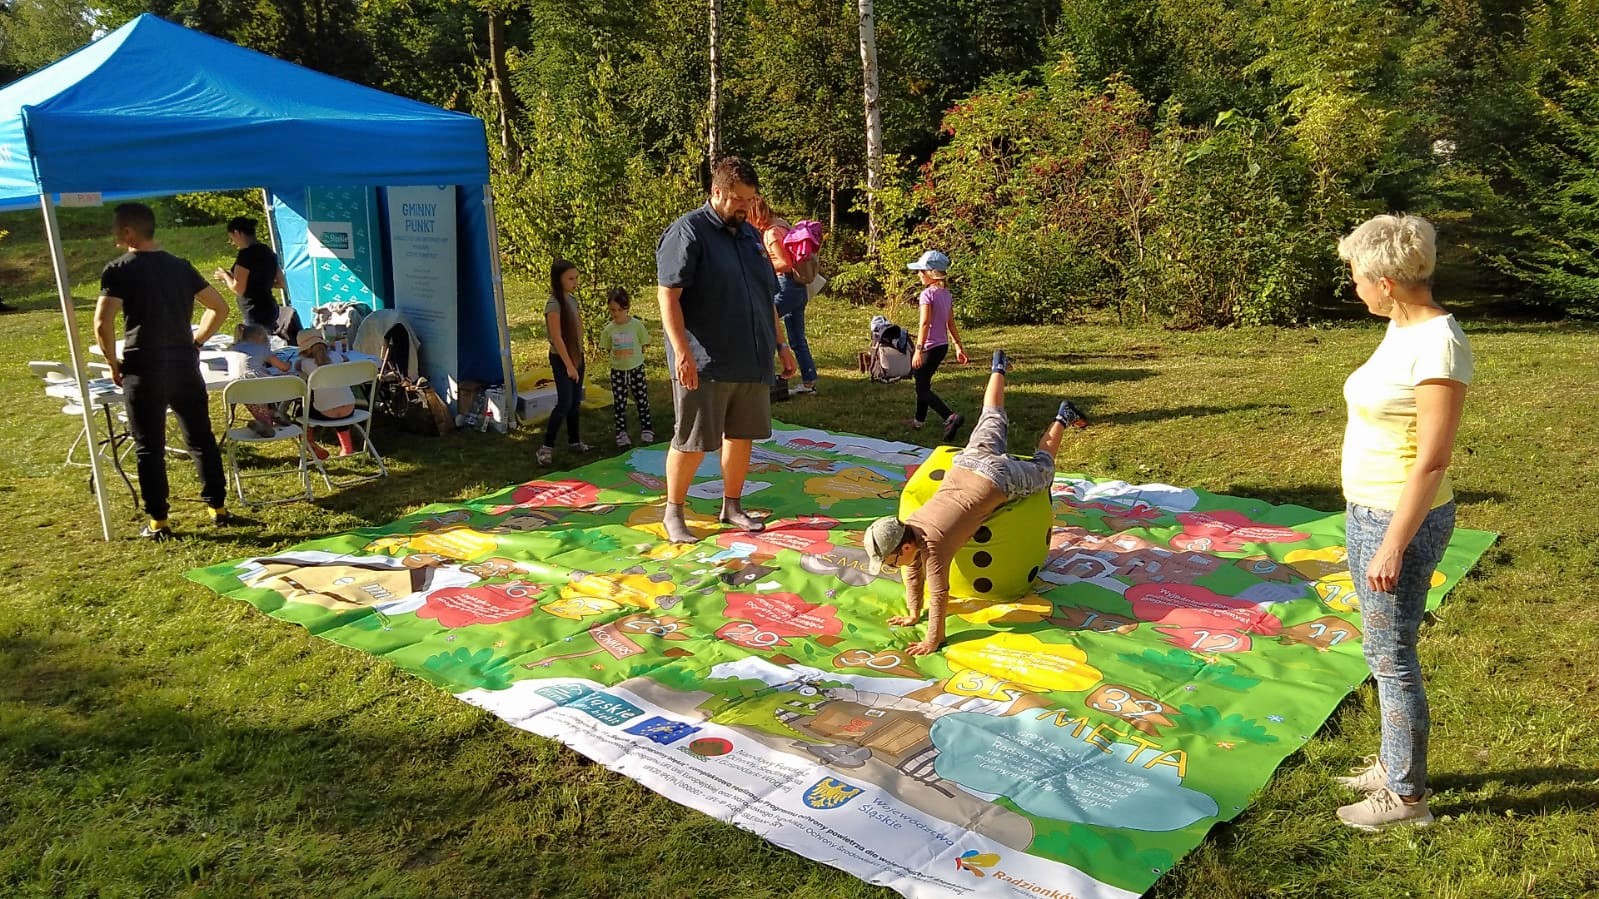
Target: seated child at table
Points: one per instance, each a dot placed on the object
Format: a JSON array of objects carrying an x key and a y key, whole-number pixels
[
  {"x": 254, "y": 343},
  {"x": 981, "y": 479},
  {"x": 326, "y": 402}
]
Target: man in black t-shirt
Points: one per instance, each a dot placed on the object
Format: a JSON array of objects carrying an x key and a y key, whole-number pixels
[
  {"x": 159, "y": 368},
  {"x": 255, "y": 272}
]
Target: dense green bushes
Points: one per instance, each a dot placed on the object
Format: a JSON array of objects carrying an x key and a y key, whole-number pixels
[{"x": 1185, "y": 160}]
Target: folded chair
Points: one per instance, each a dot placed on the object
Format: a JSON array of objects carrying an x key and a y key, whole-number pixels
[
  {"x": 279, "y": 389},
  {"x": 362, "y": 373}
]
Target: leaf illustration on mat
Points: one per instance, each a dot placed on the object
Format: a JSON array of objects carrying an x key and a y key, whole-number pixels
[
  {"x": 1209, "y": 721},
  {"x": 464, "y": 669},
  {"x": 601, "y": 542},
  {"x": 1178, "y": 665},
  {"x": 1079, "y": 843}
]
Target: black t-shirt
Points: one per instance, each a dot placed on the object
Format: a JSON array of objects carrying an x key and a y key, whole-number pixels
[
  {"x": 263, "y": 266},
  {"x": 157, "y": 291}
]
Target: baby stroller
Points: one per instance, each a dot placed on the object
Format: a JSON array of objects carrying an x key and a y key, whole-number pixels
[{"x": 888, "y": 356}]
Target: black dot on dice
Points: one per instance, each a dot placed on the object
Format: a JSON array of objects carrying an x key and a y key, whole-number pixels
[
  {"x": 982, "y": 560},
  {"x": 938, "y": 475},
  {"x": 983, "y": 534},
  {"x": 1031, "y": 575},
  {"x": 983, "y": 585}
]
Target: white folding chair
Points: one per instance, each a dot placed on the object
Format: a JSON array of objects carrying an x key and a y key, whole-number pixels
[
  {"x": 363, "y": 373},
  {"x": 265, "y": 391}
]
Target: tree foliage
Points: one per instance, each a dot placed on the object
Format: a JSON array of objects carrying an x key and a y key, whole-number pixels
[{"x": 1193, "y": 160}]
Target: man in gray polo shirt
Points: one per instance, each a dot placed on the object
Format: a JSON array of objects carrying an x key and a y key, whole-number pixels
[{"x": 715, "y": 285}]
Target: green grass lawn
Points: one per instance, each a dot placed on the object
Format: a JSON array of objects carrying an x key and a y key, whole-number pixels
[{"x": 158, "y": 740}]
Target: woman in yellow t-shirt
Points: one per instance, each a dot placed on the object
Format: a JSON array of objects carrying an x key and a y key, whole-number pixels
[{"x": 1404, "y": 409}]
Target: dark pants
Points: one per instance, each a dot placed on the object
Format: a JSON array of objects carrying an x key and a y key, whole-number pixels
[
  {"x": 150, "y": 392},
  {"x": 925, "y": 397},
  {"x": 567, "y": 402},
  {"x": 256, "y": 312}
]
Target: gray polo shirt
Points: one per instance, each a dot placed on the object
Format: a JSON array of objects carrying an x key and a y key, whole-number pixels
[{"x": 729, "y": 290}]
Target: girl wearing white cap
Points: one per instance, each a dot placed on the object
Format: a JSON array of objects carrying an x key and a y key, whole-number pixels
[{"x": 933, "y": 337}]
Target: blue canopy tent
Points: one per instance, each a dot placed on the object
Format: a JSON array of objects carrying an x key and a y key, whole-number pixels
[{"x": 154, "y": 108}]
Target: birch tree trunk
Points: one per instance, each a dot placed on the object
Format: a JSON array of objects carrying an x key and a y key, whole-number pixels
[
  {"x": 874, "y": 119},
  {"x": 713, "y": 133},
  {"x": 500, "y": 81}
]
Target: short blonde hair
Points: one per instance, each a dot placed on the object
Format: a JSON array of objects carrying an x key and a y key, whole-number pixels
[{"x": 1401, "y": 248}]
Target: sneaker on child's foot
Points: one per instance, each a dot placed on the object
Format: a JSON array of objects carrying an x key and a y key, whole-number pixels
[
  {"x": 158, "y": 533},
  {"x": 623, "y": 440},
  {"x": 952, "y": 425},
  {"x": 913, "y": 424},
  {"x": 1370, "y": 777},
  {"x": 545, "y": 455},
  {"x": 260, "y": 428},
  {"x": 1001, "y": 362},
  {"x": 646, "y": 436},
  {"x": 578, "y": 447},
  {"x": 1070, "y": 416},
  {"x": 1383, "y": 808},
  {"x": 800, "y": 389}
]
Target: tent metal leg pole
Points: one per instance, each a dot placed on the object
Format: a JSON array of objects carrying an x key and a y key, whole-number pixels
[
  {"x": 506, "y": 368},
  {"x": 277, "y": 243},
  {"x": 69, "y": 314}
]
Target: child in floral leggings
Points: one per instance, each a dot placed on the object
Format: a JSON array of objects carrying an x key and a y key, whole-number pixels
[{"x": 625, "y": 338}]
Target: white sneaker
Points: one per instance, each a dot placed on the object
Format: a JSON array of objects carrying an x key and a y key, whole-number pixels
[
  {"x": 623, "y": 440},
  {"x": 646, "y": 436},
  {"x": 1371, "y": 777},
  {"x": 1382, "y": 809},
  {"x": 801, "y": 389},
  {"x": 579, "y": 447},
  {"x": 545, "y": 455}
]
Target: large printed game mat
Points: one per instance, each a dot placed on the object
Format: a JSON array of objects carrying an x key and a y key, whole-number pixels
[{"x": 1175, "y": 647}]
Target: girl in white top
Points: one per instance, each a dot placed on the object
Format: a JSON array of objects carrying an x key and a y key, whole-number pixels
[
  {"x": 1404, "y": 410},
  {"x": 326, "y": 402}
]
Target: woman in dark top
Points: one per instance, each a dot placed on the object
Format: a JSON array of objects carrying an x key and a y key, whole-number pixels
[{"x": 255, "y": 273}]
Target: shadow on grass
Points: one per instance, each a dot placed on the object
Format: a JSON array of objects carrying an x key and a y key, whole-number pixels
[
  {"x": 338, "y": 777},
  {"x": 1322, "y": 497},
  {"x": 1470, "y": 497},
  {"x": 1525, "y": 791},
  {"x": 1172, "y": 413}
]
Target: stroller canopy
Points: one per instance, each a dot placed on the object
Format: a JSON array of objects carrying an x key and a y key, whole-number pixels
[{"x": 387, "y": 332}]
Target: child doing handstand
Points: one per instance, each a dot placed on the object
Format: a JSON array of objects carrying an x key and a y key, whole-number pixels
[{"x": 981, "y": 479}]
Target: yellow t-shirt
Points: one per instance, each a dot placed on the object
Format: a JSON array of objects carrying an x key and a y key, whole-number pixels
[{"x": 1380, "y": 440}]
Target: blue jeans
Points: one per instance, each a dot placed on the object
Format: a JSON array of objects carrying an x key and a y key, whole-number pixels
[
  {"x": 1391, "y": 622},
  {"x": 792, "y": 298}
]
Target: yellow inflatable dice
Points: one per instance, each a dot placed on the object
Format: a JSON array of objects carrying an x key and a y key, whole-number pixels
[{"x": 1001, "y": 560}]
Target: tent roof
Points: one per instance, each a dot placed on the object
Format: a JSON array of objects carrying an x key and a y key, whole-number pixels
[{"x": 155, "y": 108}]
